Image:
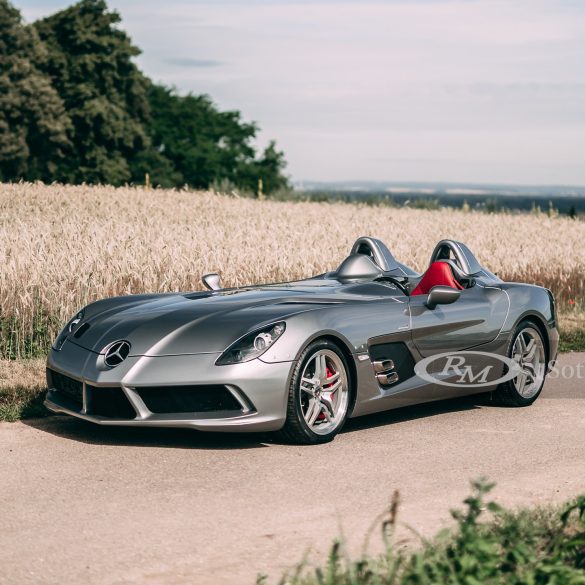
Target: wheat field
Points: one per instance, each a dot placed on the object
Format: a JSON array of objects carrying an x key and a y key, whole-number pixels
[{"x": 63, "y": 246}]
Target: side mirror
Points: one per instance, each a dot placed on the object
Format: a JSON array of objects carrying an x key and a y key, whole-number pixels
[
  {"x": 212, "y": 281},
  {"x": 442, "y": 295}
]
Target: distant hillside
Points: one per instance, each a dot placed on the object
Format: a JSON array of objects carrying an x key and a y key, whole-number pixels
[{"x": 565, "y": 199}]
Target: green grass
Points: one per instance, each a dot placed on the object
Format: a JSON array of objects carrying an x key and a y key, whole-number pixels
[
  {"x": 572, "y": 330},
  {"x": 527, "y": 547},
  {"x": 572, "y": 341},
  {"x": 35, "y": 343},
  {"x": 22, "y": 389},
  {"x": 19, "y": 403}
]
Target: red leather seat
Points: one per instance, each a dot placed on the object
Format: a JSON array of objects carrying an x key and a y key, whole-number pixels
[{"x": 437, "y": 274}]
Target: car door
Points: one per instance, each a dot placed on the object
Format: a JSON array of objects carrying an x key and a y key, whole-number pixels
[{"x": 474, "y": 319}]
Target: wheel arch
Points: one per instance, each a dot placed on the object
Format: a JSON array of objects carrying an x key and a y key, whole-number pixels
[{"x": 536, "y": 304}]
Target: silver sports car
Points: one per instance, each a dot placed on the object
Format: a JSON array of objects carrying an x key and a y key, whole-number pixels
[{"x": 302, "y": 357}]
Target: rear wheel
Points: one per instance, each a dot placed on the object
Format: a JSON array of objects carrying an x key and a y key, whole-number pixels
[
  {"x": 318, "y": 400},
  {"x": 528, "y": 351}
]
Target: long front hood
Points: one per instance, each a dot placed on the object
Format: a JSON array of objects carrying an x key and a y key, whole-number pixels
[{"x": 188, "y": 324}]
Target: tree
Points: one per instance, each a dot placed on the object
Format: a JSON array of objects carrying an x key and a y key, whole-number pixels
[
  {"x": 33, "y": 123},
  {"x": 205, "y": 145},
  {"x": 75, "y": 108},
  {"x": 90, "y": 63},
  {"x": 270, "y": 169}
]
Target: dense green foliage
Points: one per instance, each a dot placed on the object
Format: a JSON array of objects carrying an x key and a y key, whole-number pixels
[
  {"x": 529, "y": 547},
  {"x": 33, "y": 123},
  {"x": 90, "y": 63},
  {"x": 74, "y": 108},
  {"x": 206, "y": 146}
]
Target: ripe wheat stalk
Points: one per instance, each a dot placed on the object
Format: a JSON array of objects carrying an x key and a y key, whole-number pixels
[{"x": 62, "y": 247}]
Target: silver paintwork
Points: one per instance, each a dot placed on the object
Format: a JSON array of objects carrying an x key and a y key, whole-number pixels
[{"x": 177, "y": 338}]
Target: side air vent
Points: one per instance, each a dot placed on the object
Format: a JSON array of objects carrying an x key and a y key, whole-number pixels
[
  {"x": 385, "y": 372},
  {"x": 392, "y": 362}
]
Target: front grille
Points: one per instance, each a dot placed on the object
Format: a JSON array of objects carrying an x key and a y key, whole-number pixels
[
  {"x": 175, "y": 399},
  {"x": 70, "y": 388},
  {"x": 109, "y": 402}
]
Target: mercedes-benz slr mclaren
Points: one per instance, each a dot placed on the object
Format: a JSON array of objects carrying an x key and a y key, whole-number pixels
[{"x": 303, "y": 357}]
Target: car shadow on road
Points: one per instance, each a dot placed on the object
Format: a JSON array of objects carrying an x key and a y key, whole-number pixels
[
  {"x": 89, "y": 433},
  {"x": 92, "y": 434},
  {"x": 418, "y": 411}
]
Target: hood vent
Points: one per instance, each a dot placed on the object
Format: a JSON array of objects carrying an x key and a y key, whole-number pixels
[{"x": 81, "y": 330}]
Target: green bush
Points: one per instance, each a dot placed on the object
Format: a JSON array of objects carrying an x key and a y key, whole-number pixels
[{"x": 528, "y": 547}]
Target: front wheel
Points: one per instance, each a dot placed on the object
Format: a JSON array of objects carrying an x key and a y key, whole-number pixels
[
  {"x": 528, "y": 351},
  {"x": 318, "y": 400}
]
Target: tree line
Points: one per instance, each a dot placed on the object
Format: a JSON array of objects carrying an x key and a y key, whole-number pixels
[{"x": 75, "y": 108}]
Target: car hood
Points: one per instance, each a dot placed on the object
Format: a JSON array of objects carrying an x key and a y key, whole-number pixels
[{"x": 193, "y": 323}]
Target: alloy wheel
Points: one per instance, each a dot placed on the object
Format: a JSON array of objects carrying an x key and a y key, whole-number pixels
[
  {"x": 528, "y": 352},
  {"x": 324, "y": 395}
]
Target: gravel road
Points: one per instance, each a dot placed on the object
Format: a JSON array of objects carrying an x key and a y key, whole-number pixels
[{"x": 91, "y": 505}]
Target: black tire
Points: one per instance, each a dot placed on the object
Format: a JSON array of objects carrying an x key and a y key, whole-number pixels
[
  {"x": 296, "y": 430},
  {"x": 507, "y": 394}
]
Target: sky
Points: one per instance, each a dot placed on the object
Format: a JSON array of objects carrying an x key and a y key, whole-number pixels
[{"x": 481, "y": 91}]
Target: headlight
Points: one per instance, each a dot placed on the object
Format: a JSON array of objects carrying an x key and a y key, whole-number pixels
[
  {"x": 71, "y": 327},
  {"x": 252, "y": 345}
]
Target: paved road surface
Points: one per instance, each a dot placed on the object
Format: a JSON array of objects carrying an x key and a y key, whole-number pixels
[{"x": 84, "y": 504}]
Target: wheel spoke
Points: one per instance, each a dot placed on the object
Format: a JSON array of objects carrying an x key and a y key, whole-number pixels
[
  {"x": 530, "y": 350},
  {"x": 327, "y": 401},
  {"x": 321, "y": 367},
  {"x": 522, "y": 343},
  {"x": 333, "y": 377},
  {"x": 517, "y": 350},
  {"x": 308, "y": 386},
  {"x": 313, "y": 412},
  {"x": 334, "y": 387},
  {"x": 521, "y": 381}
]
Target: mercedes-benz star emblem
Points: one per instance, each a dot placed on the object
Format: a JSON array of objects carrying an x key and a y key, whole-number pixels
[{"x": 116, "y": 353}]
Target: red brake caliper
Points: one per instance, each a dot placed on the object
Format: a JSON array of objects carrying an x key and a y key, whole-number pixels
[{"x": 329, "y": 373}]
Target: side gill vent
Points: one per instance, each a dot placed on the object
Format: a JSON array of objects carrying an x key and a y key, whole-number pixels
[
  {"x": 385, "y": 372},
  {"x": 392, "y": 362}
]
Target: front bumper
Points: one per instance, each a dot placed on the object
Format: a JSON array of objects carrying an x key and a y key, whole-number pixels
[{"x": 259, "y": 388}]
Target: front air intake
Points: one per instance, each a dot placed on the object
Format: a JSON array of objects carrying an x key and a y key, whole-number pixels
[
  {"x": 68, "y": 387},
  {"x": 188, "y": 399},
  {"x": 109, "y": 402}
]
